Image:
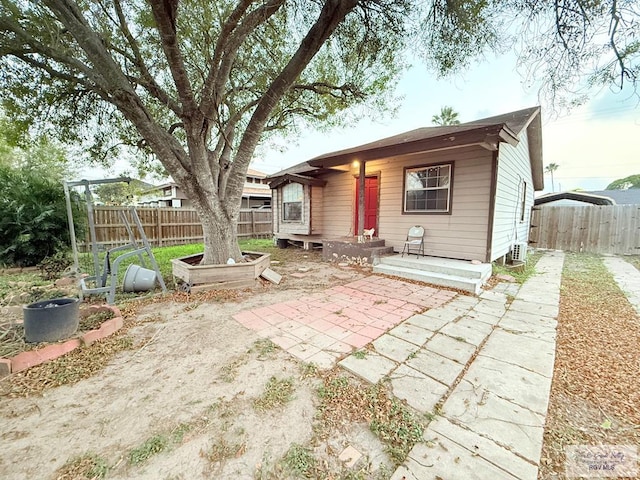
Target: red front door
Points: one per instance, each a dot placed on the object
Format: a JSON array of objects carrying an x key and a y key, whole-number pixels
[{"x": 370, "y": 204}]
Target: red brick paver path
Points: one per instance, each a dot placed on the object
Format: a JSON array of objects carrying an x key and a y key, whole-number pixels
[{"x": 323, "y": 327}]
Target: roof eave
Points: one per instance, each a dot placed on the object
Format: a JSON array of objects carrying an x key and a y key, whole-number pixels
[
  {"x": 293, "y": 178},
  {"x": 534, "y": 135},
  {"x": 484, "y": 136}
]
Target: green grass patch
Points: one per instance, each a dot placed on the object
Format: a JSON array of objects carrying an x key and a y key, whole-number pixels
[
  {"x": 15, "y": 282},
  {"x": 89, "y": 465},
  {"x": 523, "y": 275},
  {"x": 264, "y": 348},
  {"x": 164, "y": 255},
  {"x": 152, "y": 446},
  {"x": 308, "y": 370},
  {"x": 360, "y": 354},
  {"x": 299, "y": 461},
  {"x": 397, "y": 427},
  {"x": 256, "y": 244},
  {"x": 276, "y": 394},
  {"x": 343, "y": 400}
]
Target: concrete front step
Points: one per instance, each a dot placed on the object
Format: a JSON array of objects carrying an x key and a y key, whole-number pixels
[
  {"x": 472, "y": 285},
  {"x": 379, "y": 251},
  {"x": 350, "y": 250},
  {"x": 456, "y": 268}
]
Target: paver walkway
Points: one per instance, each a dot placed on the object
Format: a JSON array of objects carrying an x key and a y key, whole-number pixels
[
  {"x": 487, "y": 364},
  {"x": 323, "y": 327},
  {"x": 627, "y": 277}
]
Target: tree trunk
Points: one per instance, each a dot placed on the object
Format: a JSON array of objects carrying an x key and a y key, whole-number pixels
[{"x": 220, "y": 234}]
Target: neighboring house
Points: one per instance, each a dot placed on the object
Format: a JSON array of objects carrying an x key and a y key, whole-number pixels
[
  {"x": 598, "y": 197},
  {"x": 256, "y": 193},
  {"x": 471, "y": 186}
]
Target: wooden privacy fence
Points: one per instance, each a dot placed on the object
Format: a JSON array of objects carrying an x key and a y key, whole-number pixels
[
  {"x": 170, "y": 226},
  {"x": 611, "y": 229}
]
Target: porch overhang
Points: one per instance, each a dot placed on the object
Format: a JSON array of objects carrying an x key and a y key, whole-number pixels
[
  {"x": 486, "y": 136},
  {"x": 294, "y": 178}
]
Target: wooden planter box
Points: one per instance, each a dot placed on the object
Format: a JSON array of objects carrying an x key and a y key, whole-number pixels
[{"x": 196, "y": 277}]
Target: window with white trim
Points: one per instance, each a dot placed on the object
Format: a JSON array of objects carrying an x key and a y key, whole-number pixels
[
  {"x": 292, "y": 196},
  {"x": 427, "y": 189}
]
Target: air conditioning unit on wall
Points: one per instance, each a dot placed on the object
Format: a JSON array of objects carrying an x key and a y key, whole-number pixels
[{"x": 519, "y": 252}]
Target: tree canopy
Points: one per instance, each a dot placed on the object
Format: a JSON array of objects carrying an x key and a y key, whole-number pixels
[
  {"x": 119, "y": 193},
  {"x": 447, "y": 116},
  {"x": 197, "y": 84},
  {"x": 39, "y": 155},
  {"x": 632, "y": 181},
  {"x": 552, "y": 167}
]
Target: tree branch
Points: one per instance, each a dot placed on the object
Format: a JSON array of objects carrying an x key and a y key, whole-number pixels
[
  {"x": 229, "y": 25},
  {"x": 164, "y": 13},
  {"x": 46, "y": 51},
  {"x": 219, "y": 74},
  {"x": 332, "y": 14},
  {"x": 147, "y": 81},
  {"x": 323, "y": 88}
]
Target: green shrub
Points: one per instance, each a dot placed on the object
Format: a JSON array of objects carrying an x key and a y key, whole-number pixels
[{"x": 33, "y": 217}]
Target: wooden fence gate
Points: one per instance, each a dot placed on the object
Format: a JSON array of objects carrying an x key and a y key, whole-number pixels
[{"x": 613, "y": 229}]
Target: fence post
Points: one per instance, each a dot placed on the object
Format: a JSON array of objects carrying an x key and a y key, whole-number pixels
[
  {"x": 253, "y": 223},
  {"x": 159, "y": 226}
]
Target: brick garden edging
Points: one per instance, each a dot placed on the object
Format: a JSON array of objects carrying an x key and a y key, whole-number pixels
[{"x": 31, "y": 358}]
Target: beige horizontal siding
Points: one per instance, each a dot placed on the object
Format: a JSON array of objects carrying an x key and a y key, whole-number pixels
[
  {"x": 337, "y": 213},
  {"x": 463, "y": 234},
  {"x": 317, "y": 210}
]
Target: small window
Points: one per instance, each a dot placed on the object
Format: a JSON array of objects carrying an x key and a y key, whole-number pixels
[
  {"x": 523, "y": 201},
  {"x": 427, "y": 189},
  {"x": 292, "y": 202}
]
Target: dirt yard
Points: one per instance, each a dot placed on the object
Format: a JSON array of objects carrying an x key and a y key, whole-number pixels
[{"x": 186, "y": 392}]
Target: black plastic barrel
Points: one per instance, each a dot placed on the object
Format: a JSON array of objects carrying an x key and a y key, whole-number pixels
[{"x": 51, "y": 320}]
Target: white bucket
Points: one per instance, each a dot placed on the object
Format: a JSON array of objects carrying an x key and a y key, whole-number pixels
[{"x": 138, "y": 279}]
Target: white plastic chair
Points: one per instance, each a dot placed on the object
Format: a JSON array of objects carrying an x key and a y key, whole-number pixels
[{"x": 415, "y": 241}]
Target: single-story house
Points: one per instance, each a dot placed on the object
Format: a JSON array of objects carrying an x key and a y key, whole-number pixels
[{"x": 471, "y": 186}]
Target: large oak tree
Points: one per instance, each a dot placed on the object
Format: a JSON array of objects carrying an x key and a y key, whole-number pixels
[{"x": 198, "y": 84}]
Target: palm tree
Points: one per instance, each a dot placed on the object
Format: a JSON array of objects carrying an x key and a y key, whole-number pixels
[
  {"x": 552, "y": 167},
  {"x": 447, "y": 116}
]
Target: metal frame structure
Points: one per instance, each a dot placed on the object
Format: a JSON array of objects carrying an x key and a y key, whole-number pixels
[{"x": 108, "y": 271}]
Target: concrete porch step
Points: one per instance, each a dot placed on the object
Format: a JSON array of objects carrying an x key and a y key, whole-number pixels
[
  {"x": 379, "y": 251},
  {"x": 456, "y": 268},
  {"x": 348, "y": 249},
  {"x": 472, "y": 285}
]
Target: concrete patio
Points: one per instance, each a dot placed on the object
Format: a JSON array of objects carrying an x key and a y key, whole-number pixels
[
  {"x": 481, "y": 365},
  {"x": 324, "y": 327}
]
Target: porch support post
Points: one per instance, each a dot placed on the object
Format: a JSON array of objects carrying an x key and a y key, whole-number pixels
[{"x": 361, "y": 186}]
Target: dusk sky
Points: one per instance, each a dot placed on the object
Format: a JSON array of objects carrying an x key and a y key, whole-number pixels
[{"x": 595, "y": 144}]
